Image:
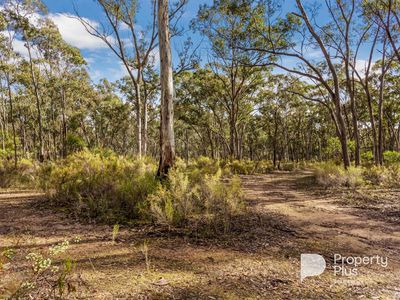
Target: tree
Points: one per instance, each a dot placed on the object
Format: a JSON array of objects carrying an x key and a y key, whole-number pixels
[
  {"x": 167, "y": 138},
  {"x": 225, "y": 24},
  {"x": 293, "y": 38}
]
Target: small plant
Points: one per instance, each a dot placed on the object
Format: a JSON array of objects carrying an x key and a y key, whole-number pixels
[
  {"x": 59, "y": 248},
  {"x": 45, "y": 279},
  {"x": 115, "y": 232},
  {"x": 6, "y": 256},
  {"x": 144, "y": 248}
]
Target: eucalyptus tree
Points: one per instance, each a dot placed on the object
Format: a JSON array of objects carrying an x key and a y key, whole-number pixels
[
  {"x": 8, "y": 61},
  {"x": 225, "y": 23},
  {"x": 60, "y": 62},
  {"x": 134, "y": 45},
  {"x": 19, "y": 16},
  {"x": 167, "y": 137},
  {"x": 296, "y": 37}
]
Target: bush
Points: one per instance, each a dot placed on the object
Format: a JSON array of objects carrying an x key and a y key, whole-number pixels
[
  {"x": 332, "y": 175},
  {"x": 24, "y": 176},
  {"x": 51, "y": 273},
  {"x": 391, "y": 157},
  {"x": 383, "y": 176},
  {"x": 74, "y": 143},
  {"x": 103, "y": 185},
  {"x": 368, "y": 157},
  {"x": 183, "y": 198},
  {"x": 245, "y": 167}
]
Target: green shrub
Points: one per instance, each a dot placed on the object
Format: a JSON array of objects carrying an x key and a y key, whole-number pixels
[
  {"x": 74, "y": 143},
  {"x": 49, "y": 276},
  {"x": 368, "y": 157},
  {"x": 242, "y": 167},
  {"x": 174, "y": 202},
  {"x": 391, "y": 157},
  {"x": 199, "y": 167},
  {"x": 103, "y": 185}
]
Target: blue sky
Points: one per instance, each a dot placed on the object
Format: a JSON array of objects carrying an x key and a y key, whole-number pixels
[{"x": 102, "y": 63}]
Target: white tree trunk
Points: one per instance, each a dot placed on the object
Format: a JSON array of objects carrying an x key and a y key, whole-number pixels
[{"x": 167, "y": 139}]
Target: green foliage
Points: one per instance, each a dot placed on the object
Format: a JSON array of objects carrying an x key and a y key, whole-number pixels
[
  {"x": 103, "y": 185},
  {"x": 368, "y": 157},
  {"x": 242, "y": 167},
  {"x": 333, "y": 149},
  {"x": 391, "y": 157},
  {"x": 332, "y": 175},
  {"x": 115, "y": 232},
  {"x": 74, "y": 143}
]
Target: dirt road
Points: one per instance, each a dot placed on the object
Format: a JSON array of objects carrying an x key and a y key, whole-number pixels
[{"x": 259, "y": 259}]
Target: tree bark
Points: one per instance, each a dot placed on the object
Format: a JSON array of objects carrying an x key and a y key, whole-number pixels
[
  {"x": 38, "y": 105},
  {"x": 139, "y": 113},
  {"x": 167, "y": 138},
  {"x": 12, "y": 120}
]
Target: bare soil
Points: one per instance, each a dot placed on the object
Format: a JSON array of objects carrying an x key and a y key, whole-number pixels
[{"x": 258, "y": 259}]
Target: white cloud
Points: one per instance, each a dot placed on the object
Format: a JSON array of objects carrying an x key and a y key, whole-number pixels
[
  {"x": 19, "y": 46},
  {"x": 361, "y": 66},
  {"x": 74, "y": 33}
]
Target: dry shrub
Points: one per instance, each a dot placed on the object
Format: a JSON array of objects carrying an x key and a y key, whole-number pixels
[
  {"x": 184, "y": 198},
  {"x": 24, "y": 176},
  {"x": 331, "y": 175},
  {"x": 103, "y": 185},
  {"x": 383, "y": 176}
]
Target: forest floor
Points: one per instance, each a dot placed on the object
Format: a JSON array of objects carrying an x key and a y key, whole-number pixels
[{"x": 259, "y": 259}]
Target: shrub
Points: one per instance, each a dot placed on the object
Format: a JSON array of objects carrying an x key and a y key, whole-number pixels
[
  {"x": 74, "y": 143},
  {"x": 368, "y": 157},
  {"x": 182, "y": 199},
  {"x": 199, "y": 167},
  {"x": 173, "y": 203},
  {"x": 383, "y": 176},
  {"x": 242, "y": 167},
  {"x": 103, "y": 185},
  {"x": 332, "y": 175},
  {"x": 391, "y": 157},
  {"x": 24, "y": 176}
]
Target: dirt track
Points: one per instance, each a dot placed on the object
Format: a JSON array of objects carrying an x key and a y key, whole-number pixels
[{"x": 259, "y": 259}]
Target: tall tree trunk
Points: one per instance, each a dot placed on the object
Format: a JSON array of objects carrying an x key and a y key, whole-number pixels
[
  {"x": 64, "y": 124},
  {"x": 12, "y": 120},
  {"x": 167, "y": 138},
  {"x": 380, "y": 103},
  {"x": 138, "y": 91},
  {"x": 38, "y": 105},
  {"x": 356, "y": 133},
  {"x": 145, "y": 126},
  {"x": 342, "y": 133}
]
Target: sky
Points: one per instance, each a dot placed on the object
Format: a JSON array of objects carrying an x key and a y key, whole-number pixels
[{"x": 102, "y": 62}]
